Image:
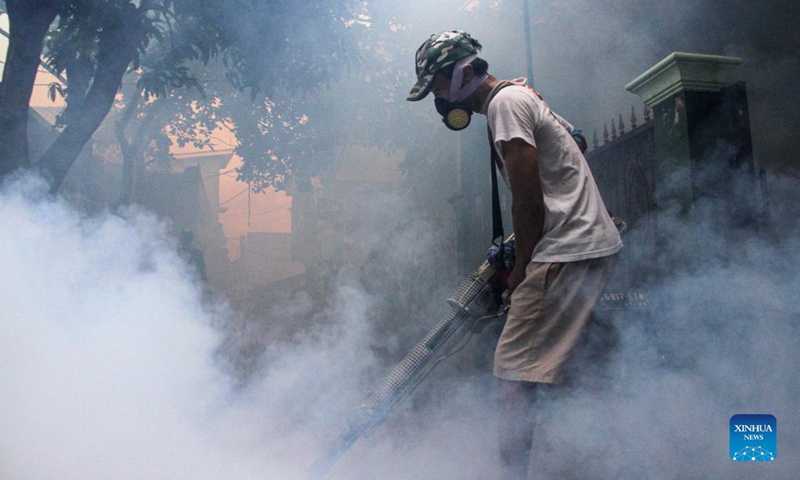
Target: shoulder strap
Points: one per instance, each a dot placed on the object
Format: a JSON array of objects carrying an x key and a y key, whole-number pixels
[{"x": 497, "y": 213}]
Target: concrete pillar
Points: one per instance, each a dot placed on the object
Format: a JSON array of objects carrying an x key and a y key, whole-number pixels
[{"x": 703, "y": 147}]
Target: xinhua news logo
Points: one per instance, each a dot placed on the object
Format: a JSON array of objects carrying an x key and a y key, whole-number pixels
[{"x": 754, "y": 438}]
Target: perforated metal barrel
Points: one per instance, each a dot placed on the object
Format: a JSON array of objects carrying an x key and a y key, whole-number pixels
[
  {"x": 405, "y": 374},
  {"x": 411, "y": 370}
]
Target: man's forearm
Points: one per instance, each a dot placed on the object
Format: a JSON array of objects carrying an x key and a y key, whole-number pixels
[
  {"x": 527, "y": 215},
  {"x": 527, "y": 208}
]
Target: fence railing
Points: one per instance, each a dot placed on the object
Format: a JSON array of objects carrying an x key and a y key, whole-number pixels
[{"x": 624, "y": 170}]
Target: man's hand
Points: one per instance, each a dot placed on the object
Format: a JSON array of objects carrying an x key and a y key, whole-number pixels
[{"x": 516, "y": 277}]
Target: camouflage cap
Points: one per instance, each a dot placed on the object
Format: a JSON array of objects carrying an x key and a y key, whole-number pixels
[{"x": 440, "y": 51}]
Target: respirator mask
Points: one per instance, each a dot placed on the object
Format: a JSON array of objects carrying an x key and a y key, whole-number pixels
[{"x": 455, "y": 114}]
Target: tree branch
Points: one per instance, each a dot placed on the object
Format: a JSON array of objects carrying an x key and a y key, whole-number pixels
[{"x": 117, "y": 49}]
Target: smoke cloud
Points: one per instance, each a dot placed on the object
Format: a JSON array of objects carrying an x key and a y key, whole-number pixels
[
  {"x": 114, "y": 366},
  {"x": 109, "y": 358},
  {"x": 717, "y": 341},
  {"x": 111, "y": 369}
]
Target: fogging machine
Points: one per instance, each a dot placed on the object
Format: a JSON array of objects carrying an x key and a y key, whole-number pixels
[{"x": 476, "y": 295}]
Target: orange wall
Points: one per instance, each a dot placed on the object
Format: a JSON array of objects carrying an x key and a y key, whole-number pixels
[
  {"x": 269, "y": 211},
  {"x": 39, "y": 97},
  {"x": 242, "y": 212}
]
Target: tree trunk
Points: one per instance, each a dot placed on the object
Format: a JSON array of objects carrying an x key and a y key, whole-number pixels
[
  {"x": 80, "y": 72},
  {"x": 118, "y": 45},
  {"x": 132, "y": 151},
  {"x": 29, "y": 21}
]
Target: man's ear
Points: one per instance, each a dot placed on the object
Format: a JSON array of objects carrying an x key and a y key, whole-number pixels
[{"x": 468, "y": 73}]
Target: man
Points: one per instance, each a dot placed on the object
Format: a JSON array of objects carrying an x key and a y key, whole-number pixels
[
  {"x": 565, "y": 238},
  {"x": 192, "y": 255}
]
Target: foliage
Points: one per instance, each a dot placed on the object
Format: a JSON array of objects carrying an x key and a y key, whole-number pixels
[
  {"x": 279, "y": 147},
  {"x": 277, "y": 56},
  {"x": 268, "y": 49}
]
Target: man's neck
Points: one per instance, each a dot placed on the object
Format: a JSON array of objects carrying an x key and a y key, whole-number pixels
[{"x": 475, "y": 101}]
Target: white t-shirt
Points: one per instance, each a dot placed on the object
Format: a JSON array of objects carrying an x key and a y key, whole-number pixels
[{"x": 577, "y": 225}]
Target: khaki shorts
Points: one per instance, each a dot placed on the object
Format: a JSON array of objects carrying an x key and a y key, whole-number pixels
[{"x": 549, "y": 312}]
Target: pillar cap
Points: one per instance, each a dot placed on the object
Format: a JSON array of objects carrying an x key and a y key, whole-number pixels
[{"x": 684, "y": 72}]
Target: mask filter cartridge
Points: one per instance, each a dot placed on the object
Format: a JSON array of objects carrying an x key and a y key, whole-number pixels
[{"x": 456, "y": 116}]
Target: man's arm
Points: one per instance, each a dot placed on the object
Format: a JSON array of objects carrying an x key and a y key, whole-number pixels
[{"x": 527, "y": 202}]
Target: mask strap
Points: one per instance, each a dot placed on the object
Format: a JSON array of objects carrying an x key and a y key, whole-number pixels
[{"x": 457, "y": 93}]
